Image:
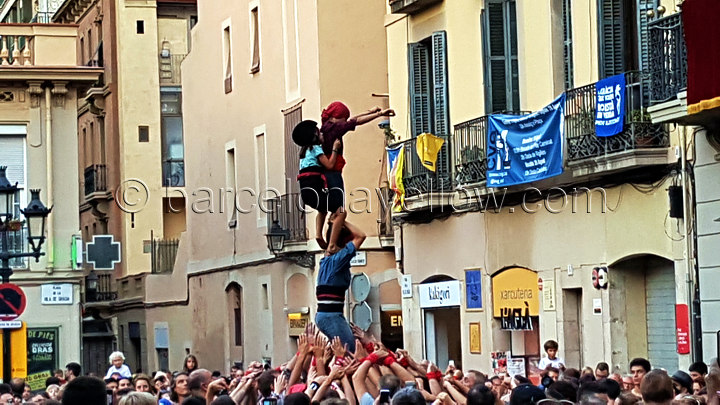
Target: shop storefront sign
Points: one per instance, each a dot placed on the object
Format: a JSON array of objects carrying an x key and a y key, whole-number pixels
[
  {"x": 443, "y": 294},
  {"x": 682, "y": 328},
  {"x": 515, "y": 293},
  {"x": 42, "y": 351},
  {"x": 516, "y": 319},
  {"x": 297, "y": 323}
]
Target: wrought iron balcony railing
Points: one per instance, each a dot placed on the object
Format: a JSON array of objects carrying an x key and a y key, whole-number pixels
[
  {"x": 164, "y": 252},
  {"x": 95, "y": 179},
  {"x": 411, "y": 6},
  {"x": 16, "y": 243},
  {"x": 289, "y": 212},
  {"x": 638, "y": 131},
  {"x": 668, "y": 58},
  {"x": 469, "y": 151},
  {"x": 105, "y": 289},
  {"x": 418, "y": 179}
]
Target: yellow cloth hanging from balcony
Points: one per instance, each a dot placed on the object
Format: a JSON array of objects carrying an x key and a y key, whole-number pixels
[{"x": 427, "y": 147}]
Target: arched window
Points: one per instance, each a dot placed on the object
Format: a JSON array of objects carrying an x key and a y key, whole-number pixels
[{"x": 235, "y": 304}]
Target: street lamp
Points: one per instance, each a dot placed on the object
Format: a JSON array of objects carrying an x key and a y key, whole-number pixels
[
  {"x": 276, "y": 237},
  {"x": 36, "y": 213},
  {"x": 91, "y": 287}
]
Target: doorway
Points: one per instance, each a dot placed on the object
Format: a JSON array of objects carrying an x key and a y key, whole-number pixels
[
  {"x": 572, "y": 327},
  {"x": 442, "y": 336}
]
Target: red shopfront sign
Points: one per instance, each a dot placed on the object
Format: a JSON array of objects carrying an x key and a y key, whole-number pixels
[{"x": 682, "y": 328}]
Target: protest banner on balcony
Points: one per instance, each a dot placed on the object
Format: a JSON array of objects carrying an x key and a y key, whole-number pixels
[
  {"x": 526, "y": 148},
  {"x": 610, "y": 105}
]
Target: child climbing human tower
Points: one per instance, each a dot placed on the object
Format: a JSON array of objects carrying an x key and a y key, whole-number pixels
[{"x": 336, "y": 122}]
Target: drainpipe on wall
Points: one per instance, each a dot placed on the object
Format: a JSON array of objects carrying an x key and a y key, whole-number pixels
[
  {"x": 49, "y": 178},
  {"x": 691, "y": 279}
]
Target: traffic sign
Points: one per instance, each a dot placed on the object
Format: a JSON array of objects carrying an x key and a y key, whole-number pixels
[
  {"x": 12, "y": 302},
  {"x": 103, "y": 252}
]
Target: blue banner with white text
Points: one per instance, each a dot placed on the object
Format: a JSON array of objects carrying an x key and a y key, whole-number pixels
[
  {"x": 610, "y": 105},
  {"x": 526, "y": 148}
]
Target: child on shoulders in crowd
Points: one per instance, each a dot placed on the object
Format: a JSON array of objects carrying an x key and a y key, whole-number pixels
[
  {"x": 551, "y": 348},
  {"x": 117, "y": 359}
]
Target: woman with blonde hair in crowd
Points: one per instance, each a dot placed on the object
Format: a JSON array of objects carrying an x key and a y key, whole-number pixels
[{"x": 138, "y": 398}]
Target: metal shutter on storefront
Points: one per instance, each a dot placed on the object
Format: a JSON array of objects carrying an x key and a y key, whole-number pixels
[{"x": 660, "y": 302}]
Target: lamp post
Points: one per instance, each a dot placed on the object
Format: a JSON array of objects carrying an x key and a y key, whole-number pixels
[
  {"x": 276, "y": 237},
  {"x": 35, "y": 214}
]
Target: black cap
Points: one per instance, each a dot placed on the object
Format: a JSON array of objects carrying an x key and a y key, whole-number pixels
[
  {"x": 304, "y": 133},
  {"x": 526, "y": 394},
  {"x": 683, "y": 379}
]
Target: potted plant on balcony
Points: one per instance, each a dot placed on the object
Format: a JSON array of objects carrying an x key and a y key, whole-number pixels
[
  {"x": 643, "y": 128},
  {"x": 15, "y": 225}
]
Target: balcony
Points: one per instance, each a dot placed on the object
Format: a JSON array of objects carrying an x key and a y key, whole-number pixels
[
  {"x": 170, "y": 69},
  {"x": 163, "y": 252},
  {"x": 411, "y": 6},
  {"x": 106, "y": 290},
  {"x": 95, "y": 181},
  {"x": 668, "y": 58},
  {"x": 417, "y": 178},
  {"x": 288, "y": 211},
  {"x": 16, "y": 243},
  {"x": 640, "y": 143}
]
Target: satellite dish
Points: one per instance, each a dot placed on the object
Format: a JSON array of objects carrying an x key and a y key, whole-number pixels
[
  {"x": 360, "y": 287},
  {"x": 362, "y": 315}
]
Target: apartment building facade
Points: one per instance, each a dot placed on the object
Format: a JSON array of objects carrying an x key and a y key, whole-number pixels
[
  {"x": 40, "y": 81},
  {"x": 592, "y": 257},
  {"x": 267, "y": 65},
  {"x": 131, "y": 160}
]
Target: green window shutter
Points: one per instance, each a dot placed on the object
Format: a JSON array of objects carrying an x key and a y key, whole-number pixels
[
  {"x": 612, "y": 49},
  {"x": 440, "y": 83},
  {"x": 419, "y": 83},
  {"x": 511, "y": 33},
  {"x": 643, "y": 6},
  {"x": 567, "y": 44},
  {"x": 440, "y": 95},
  {"x": 501, "y": 63},
  {"x": 495, "y": 77}
]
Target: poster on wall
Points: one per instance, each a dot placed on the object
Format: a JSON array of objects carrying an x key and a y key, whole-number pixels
[
  {"x": 515, "y": 366},
  {"x": 42, "y": 355},
  {"x": 499, "y": 362},
  {"x": 473, "y": 289},
  {"x": 526, "y": 148}
]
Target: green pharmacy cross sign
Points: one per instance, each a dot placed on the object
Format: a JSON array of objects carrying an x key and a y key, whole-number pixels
[{"x": 103, "y": 252}]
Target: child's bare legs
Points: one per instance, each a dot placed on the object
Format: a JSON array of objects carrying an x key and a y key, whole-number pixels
[
  {"x": 338, "y": 222},
  {"x": 319, "y": 224}
]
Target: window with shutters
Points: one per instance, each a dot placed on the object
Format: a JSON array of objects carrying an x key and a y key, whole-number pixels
[
  {"x": 429, "y": 85},
  {"x": 428, "y": 88},
  {"x": 623, "y": 35},
  {"x": 292, "y": 117},
  {"x": 502, "y": 91},
  {"x": 227, "y": 57},
  {"x": 12, "y": 155}
]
